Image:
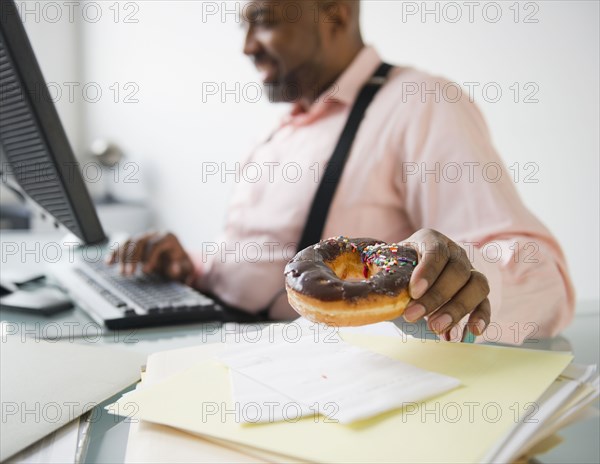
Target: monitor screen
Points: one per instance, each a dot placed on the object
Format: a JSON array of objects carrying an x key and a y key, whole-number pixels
[{"x": 36, "y": 151}]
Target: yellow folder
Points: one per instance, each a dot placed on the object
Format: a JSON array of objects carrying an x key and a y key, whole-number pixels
[{"x": 499, "y": 388}]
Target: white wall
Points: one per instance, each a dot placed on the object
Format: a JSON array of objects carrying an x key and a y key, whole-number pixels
[
  {"x": 560, "y": 133},
  {"x": 167, "y": 55},
  {"x": 54, "y": 36},
  {"x": 171, "y": 51}
]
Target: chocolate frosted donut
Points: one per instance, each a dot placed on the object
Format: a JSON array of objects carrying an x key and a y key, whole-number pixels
[{"x": 350, "y": 281}]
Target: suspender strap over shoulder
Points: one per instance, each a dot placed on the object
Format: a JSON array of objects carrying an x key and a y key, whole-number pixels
[{"x": 313, "y": 229}]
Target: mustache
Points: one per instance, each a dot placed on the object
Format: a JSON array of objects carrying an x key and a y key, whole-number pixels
[{"x": 261, "y": 58}]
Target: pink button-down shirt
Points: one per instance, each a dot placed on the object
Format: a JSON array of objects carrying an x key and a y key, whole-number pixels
[{"x": 419, "y": 160}]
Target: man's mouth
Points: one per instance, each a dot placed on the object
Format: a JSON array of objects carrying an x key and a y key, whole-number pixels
[{"x": 267, "y": 70}]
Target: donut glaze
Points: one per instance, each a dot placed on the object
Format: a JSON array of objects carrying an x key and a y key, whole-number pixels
[{"x": 350, "y": 281}]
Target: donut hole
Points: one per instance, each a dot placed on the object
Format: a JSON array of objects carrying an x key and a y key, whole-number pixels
[
  {"x": 348, "y": 266},
  {"x": 372, "y": 270}
]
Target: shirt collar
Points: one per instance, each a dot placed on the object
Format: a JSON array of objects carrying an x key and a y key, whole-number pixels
[{"x": 343, "y": 91}]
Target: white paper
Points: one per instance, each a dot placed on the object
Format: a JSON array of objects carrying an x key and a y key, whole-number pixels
[
  {"x": 385, "y": 329},
  {"x": 580, "y": 372},
  {"x": 343, "y": 382},
  {"x": 543, "y": 421},
  {"x": 260, "y": 403},
  {"x": 72, "y": 376},
  {"x": 57, "y": 448}
]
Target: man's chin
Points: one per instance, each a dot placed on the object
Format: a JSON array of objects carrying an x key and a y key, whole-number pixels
[{"x": 278, "y": 92}]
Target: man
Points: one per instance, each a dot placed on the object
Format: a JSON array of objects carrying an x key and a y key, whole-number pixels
[{"x": 418, "y": 171}]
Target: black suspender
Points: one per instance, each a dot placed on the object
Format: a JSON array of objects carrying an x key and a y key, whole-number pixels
[{"x": 322, "y": 201}]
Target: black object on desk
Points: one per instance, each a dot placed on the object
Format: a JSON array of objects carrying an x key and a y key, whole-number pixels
[{"x": 39, "y": 300}]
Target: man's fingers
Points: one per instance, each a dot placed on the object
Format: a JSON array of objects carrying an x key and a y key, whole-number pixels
[
  {"x": 154, "y": 256},
  {"x": 180, "y": 267},
  {"x": 453, "y": 277},
  {"x": 158, "y": 253},
  {"x": 190, "y": 279},
  {"x": 463, "y": 303},
  {"x": 433, "y": 259},
  {"x": 122, "y": 255},
  {"x": 480, "y": 318},
  {"x": 445, "y": 287},
  {"x": 138, "y": 252},
  {"x": 114, "y": 255},
  {"x": 187, "y": 270},
  {"x": 154, "y": 261}
]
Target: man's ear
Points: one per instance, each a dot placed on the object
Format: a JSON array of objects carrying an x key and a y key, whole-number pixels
[{"x": 334, "y": 12}]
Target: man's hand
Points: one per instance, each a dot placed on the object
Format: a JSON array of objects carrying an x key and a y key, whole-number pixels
[
  {"x": 445, "y": 287},
  {"x": 155, "y": 253}
]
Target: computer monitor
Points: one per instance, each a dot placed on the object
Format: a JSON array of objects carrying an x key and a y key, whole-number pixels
[{"x": 33, "y": 142}]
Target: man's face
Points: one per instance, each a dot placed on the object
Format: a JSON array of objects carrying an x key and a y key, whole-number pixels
[{"x": 284, "y": 40}]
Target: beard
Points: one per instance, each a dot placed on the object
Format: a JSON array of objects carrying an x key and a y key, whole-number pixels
[
  {"x": 302, "y": 83},
  {"x": 283, "y": 92}
]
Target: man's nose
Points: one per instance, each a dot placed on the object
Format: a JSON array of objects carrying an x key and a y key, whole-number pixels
[{"x": 251, "y": 45}]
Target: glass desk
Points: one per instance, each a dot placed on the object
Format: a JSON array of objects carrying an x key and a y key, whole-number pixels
[{"x": 108, "y": 434}]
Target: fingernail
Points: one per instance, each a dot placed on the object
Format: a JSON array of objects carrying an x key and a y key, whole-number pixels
[
  {"x": 480, "y": 327},
  {"x": 414, "y": 312},
  {"x": 418, "y": 289},
  {"x": 441, "y": 323}
]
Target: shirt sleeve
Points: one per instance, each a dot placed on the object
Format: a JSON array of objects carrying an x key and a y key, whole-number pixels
[{"x": 454, "y": 182}]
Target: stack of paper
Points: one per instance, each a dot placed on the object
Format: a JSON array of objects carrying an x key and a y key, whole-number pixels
[
  {"x": 44, "y": 385},
  {"x": 59, "y": 447},
  {"x": 509, "y": 400}
]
